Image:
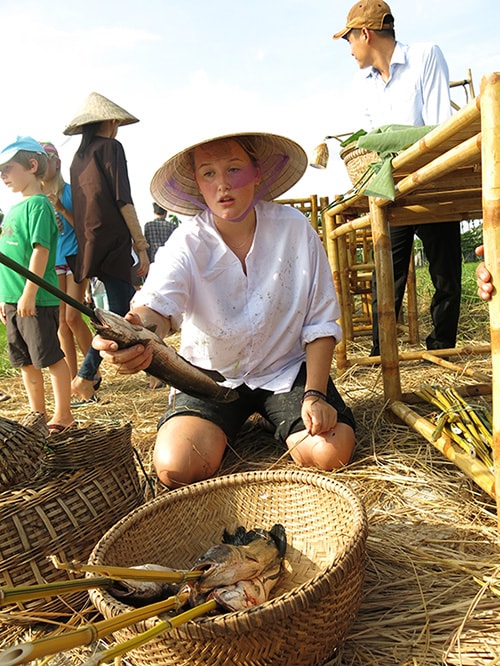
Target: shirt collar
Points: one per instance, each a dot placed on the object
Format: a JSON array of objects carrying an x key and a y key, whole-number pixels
[{"x": 398, "y": 58}]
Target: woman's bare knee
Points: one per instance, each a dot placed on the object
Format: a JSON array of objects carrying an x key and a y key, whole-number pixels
[
  {"x": 187, "y": 449},
  {"x": 327, "y": 451}
]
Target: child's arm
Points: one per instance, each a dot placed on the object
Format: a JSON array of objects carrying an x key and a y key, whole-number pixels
[{"x": 37, "y": 265}]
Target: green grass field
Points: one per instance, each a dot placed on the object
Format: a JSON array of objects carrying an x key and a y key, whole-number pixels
[{"x": 473, "y": 320}]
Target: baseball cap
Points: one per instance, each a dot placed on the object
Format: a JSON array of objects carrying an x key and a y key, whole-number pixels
[
  {"x": 366, "y": 14},
  {"x": 21, "y": 143}
]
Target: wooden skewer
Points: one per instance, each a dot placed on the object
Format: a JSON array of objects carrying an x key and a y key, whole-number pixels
[
  {"x": 87, "y": 634},
  {"x": 127, "y": 573},
  {"x": 20, "y": 593}
]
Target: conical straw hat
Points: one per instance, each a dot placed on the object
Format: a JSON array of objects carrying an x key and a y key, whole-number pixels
[
  {"x": 95, "y": 109},
  {"x": 281, "y": 160}
]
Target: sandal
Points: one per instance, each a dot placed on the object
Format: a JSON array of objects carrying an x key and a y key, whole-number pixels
[
  {"x": 83, "y": 402},
  {"x": 58, "y": 429}
]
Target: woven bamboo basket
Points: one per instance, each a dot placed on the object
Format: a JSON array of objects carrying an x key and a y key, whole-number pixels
[
  {"x": 314, "y": 604},
  {"x": 357, "y": 160},
  {"x": 86, "y": 481},
  {"x": 21, "y": 448}
]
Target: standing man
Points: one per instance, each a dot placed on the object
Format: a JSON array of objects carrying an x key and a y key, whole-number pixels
[
  {"x": 407, "y": 85},
  {"x": 158, "y": 231}
]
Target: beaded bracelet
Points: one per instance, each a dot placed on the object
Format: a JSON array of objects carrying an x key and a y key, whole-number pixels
[{"x": 312, "y": 393}]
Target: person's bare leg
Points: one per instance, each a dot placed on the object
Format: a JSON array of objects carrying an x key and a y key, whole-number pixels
[
  {"x": 188, "y": 449},
  {"x": 330, "y": 450},
  {"x": 64, "y": 332},
  {"x": 61, "y": 386},
  {"x": 33, "y": 383},
  {"x": 74, "y": 319}
]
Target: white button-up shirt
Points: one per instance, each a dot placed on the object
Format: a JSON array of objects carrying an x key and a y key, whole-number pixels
[
  {"x": 251, "y": 327},
  {"x": 417, "y": 92}
]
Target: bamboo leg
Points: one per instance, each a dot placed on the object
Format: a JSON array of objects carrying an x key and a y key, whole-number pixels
[
  {"x": 385, "y": 297},
  {"x": 332, "y": 252},
  {"x": 490, "y": 131}
]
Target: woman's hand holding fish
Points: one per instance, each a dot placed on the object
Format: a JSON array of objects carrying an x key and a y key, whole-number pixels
[
  {"x": 318, "y": 415},
  {"x": 127, "y": 361}
]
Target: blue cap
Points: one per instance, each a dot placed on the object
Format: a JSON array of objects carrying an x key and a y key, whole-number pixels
[{"x": 21, "y": 143}]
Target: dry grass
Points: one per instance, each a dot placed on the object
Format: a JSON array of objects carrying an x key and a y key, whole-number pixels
[{"x": 432, "y": 586}]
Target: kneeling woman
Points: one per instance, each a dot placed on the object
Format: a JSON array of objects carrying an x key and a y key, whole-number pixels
[{"x": 250, "y": 285}]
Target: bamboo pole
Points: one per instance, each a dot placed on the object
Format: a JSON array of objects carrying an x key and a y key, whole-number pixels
[
  {"x": 144, "y": 637},
  {"x": 21, "y": 593},
  {"x": 385, "y": 302},
  {"x": 480, "y": 376},
  {"x": 490, "y": 127},
  {"x": 345, "y": 295},
  {"x": 351, "y": 225},
  {"x": 448, "y": 130},
  {"x": 87, "y": 634},
  {"x": 472, "y": 467},
  {"x": 127, "y": 573},
  {"x": 332, "y": 252},
  {"x": 464, "y": 153}
]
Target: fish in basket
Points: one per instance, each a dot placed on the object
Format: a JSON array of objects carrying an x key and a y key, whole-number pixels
[
  {"x": 238, "y": 573},
  {"x": 313, "y": 602}
]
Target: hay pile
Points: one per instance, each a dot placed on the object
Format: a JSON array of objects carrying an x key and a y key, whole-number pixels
[{"x": 432, "y": 586}]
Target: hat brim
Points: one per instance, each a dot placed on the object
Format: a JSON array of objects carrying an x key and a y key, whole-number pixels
[
  {"x": 98, "y": 108},
  {"x": 341, "y": 33},
  {"x": 77, "y": 124},
  {"x": 174, "y": 187}
]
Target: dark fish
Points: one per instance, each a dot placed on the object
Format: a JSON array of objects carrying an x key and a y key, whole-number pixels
[
  {"x": 226, "y": 563},
  {"x": 167, "y": 364}
]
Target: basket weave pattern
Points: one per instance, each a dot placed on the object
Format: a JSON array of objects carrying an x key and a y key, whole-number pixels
[
  {"x": 21, "y": 448},
  {"x": 357, "y": 160},
  {"x": 86, "y": 482},
  {"x": 311, "y": 609}
]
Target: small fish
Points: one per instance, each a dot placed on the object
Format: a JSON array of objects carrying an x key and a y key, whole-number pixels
[
  {"x": 166, "y": 365},
  {"x": 247, "y": 593},
  {"x": 142, "y": 592},
  {"x": 226, "y": 563}
]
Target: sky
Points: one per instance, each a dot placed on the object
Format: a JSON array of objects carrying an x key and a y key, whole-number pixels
[{"x": 194, "y": 69}]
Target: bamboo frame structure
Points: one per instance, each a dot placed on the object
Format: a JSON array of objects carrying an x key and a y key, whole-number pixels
[{"x": 452, "y": 173}]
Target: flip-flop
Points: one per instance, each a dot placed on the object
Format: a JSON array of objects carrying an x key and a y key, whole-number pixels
[
  {"x": 57, "y": 428},
  {"x": 97, "y": 383},
  {"x": 82, "y": 402},
  {"x": 4, "y": 396}
]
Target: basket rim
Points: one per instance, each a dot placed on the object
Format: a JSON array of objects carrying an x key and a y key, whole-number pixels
[{"x": 290, "y": 601}]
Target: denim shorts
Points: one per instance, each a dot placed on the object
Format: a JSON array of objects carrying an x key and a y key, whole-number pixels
[{"x": 283, "y": 410}]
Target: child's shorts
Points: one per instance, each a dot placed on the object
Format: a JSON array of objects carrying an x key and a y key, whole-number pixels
[
  {"x": 283, "y": 410},
  {"x": 33, "y": 340}
]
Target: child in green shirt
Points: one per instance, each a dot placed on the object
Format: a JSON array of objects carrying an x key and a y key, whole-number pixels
[{"x": 29, "y": 237}]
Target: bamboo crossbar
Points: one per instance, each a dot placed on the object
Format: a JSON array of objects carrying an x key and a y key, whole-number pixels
[
  {"x": 417, "y": 355},
  {"x": 362, "y": 222},
  {"x": 458, "y": 156},
  {"x": 449, "y": 130}
]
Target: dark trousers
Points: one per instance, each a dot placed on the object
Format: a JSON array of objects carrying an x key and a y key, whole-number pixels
[
  {"x": 442, "y": 247},
  {"x": 119, "y": 295}
]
